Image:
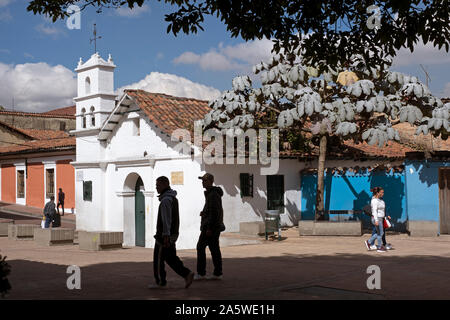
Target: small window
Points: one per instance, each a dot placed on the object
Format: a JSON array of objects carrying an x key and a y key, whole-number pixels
[
  {"x": 83, "y": 118},
  {"x": 87, "y": 190},
  {"x": 246, "y": 184},
  {"x": 87, "y": 86},
  {"x": 50, "y": 183},
  {"x": 136, "y": 127},
  {"x": 275, "y": 192},
  {"x": 62, "y": 126},
  {"x": 20, "y": 184},
  {"x": 92, "y": 117}
]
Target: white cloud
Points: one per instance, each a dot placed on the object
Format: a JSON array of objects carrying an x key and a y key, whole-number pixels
[
  {"x": 422, "y": 54},
  {"x": 49, "y": 30},
  {"x": 28, "y": 55},
  {"x": 4, "y": 3},
  {"x": 137, "y": 11},
  {"x": 36, "y": 87},
  {"x": 173, "y": 85},
  {"x": 238, "y": 57},
  {"x": 5, "y": 16}
]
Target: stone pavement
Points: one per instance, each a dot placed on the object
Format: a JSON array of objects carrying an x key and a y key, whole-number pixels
[
  {"x": 295, "y": 268},
  {"x": 31, "y": 215}
]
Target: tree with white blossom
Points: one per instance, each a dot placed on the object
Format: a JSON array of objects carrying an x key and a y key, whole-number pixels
[{"x": 350, "y": 101}]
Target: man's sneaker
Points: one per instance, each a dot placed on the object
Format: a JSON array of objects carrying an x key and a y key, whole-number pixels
[
  {"x": 388, "y": 246},
  {"x": 214, "y": 277},
  {"x": 367, "y": 245},
  {"x": 381, "y": 249},
  {"x": 198, "y": 277},
  {"x": 188, "y": 280},
  {"x": 156, "y": 286},
  {"x": 373, "y": 247}
]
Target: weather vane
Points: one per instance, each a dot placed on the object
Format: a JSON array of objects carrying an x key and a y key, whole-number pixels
[{"x": 95, "y": 38}]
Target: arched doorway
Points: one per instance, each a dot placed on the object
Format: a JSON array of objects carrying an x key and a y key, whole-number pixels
[{"x": 139, "y": 213}]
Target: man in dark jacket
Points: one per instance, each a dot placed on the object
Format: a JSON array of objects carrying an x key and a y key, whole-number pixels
[
  {"x": 49, "y": 211},
  {"x": 211, "y": 227},
  {"x": 167, "y": 226}
]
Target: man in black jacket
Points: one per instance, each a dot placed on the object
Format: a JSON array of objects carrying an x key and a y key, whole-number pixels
[
  {"x": 211, "y": 227},
  {"x": 167, "y": 227}
]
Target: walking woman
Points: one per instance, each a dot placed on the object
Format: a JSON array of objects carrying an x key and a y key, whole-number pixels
[{"x": 378, "y": 213}]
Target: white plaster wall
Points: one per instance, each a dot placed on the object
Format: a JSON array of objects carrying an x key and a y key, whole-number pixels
[
  {"x": 239, "y": 209},
  {"x": 120, "y": 210},
  {"x": 89, "y": 149},
  {"x": 190, "y": 198},
  {"x": 154, "y": 144},
  {"x": 89, "y": 215}
]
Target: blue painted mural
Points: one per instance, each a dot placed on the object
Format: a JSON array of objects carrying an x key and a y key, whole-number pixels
[
  {"x": 422, "y": 189},
  {"x": 351, "y": 191}
]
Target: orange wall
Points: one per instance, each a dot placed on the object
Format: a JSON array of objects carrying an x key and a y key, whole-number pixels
[
  {"x": 9, "y": 183},
  {"x": 35, "y": 185},
  {"x": 65, "y": 179}
]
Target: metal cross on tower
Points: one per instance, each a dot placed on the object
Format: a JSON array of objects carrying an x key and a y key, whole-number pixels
[{"x": 95, "y": 38}]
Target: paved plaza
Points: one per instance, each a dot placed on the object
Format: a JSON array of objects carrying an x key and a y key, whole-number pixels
[{"x": 294, "y": 268}]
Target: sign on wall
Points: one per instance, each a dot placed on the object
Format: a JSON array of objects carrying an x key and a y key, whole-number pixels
[
  {"x": 79, "y": 175},
  {"x": 177, "y": 177}
]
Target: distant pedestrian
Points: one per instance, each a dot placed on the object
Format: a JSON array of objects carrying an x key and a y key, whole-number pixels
[
  {"x": 61, "y": 196},
  {"x": 49, "y": 211},
  {"x": 211, "y": 227},
  {"x": 378, "y": 215},
  {"x": 167, "y": 228}
]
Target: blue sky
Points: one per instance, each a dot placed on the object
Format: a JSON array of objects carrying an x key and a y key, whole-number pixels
[{"x": 32, "y": 47}]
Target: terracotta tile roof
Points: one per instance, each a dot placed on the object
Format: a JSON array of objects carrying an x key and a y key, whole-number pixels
[
  {"x": 36, "y": 134},
  {"x": 170, "y": 113},
  {"x": 421, "y": 142},
  {"x": 67, "y": 111},
  {"x": 11, "y": 128},
  {"x": 350, "y": 150},
  {"x": 40, "y": 145},
  {"x": 44, "y": 134},
  {"x": 31, "y": 114}
]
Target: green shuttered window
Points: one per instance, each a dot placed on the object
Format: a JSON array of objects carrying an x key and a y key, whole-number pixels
[
  {"x": 87, "y": 190},
  {"x": 246, "y": 180}
]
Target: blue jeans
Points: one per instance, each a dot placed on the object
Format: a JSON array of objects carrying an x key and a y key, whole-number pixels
[
  {"x": 48, "y": 221},
  {"x": 378, "y": 234}
]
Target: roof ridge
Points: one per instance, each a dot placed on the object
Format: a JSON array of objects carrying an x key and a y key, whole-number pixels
[{"x": 164, "y": 94}]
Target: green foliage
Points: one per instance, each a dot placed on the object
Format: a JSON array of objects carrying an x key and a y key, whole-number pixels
[
  {"x": 331, "y": 31},
  {"x": 5, "y": 270}
]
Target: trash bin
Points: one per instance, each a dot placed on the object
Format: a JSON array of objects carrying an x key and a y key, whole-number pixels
[{"x": 272, "y": 222}]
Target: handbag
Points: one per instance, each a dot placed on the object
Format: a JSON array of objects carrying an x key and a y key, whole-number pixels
[{"x": 386, "y": 223}]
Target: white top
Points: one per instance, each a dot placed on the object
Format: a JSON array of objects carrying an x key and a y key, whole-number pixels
[{"x": 378, "y": 208}]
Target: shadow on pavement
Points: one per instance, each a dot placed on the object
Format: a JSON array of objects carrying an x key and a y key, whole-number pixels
[{"x": 289, "y": 276}]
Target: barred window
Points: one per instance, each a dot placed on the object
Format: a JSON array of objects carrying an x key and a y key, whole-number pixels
[
  {"x": 246, "y": 180},
  {"x": 20, "y": 184},
  {"x": 50, "y": 183}
]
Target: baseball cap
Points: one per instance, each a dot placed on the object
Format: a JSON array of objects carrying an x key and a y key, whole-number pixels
[{"x": 207, "y": 176}]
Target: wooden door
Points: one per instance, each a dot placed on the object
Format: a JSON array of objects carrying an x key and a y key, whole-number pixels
[
  {"x": 139, "y": 201},
  {"x": 444, "y": 200}
]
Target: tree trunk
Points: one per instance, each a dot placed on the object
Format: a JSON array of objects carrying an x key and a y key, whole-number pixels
[{"x": 320, "y": 178}]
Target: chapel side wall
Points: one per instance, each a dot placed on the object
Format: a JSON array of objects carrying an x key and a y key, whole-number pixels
[
  {"x": 239, "y": 209},
  {"x": 89, "y": 215}
]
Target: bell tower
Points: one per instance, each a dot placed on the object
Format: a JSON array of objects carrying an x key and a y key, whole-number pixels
[{"x": 95, "y": 98}]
